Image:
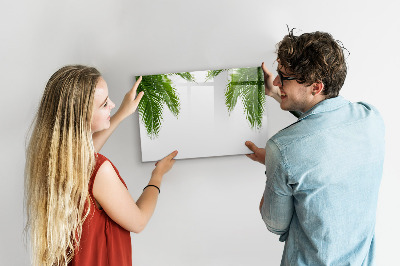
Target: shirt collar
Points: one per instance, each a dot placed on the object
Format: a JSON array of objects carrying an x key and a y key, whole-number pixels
[{"x": 325, "y": 106}]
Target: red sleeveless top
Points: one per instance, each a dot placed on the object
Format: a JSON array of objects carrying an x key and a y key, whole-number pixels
[{"x": 103, "y": 241}]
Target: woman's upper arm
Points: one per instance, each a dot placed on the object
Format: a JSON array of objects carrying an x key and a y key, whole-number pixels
[{"x": 114, "y": 198}]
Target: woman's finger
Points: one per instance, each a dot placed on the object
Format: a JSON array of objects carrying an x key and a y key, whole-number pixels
[
  {"x": 172, "y": 154},
  {"x": 136, "y": 85},
  {"x": 139, "y": 96}
]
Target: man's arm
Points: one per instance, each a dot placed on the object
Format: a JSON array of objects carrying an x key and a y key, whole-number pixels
[
  {"x": 128, "y": 106},
  {"x": 276, "y": 211},
  {"x": 276, "y": 206}
]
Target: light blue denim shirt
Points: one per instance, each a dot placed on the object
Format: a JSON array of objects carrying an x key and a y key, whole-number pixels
[{"x": 323, "y": 176}]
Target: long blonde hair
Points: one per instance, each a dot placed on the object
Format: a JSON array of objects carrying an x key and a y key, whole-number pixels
[{"x": 59, "y": 161}]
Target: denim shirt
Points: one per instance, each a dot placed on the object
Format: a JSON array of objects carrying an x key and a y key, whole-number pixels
[{"x": 323, "y": 176}]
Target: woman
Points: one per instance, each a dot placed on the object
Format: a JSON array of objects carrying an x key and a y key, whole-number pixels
[{"x": 78, "y": 207}]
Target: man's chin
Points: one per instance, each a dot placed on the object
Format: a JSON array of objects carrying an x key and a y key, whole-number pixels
[{"x": 285, "y": 108}]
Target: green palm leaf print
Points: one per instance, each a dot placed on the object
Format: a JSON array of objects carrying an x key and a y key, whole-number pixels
[
  {"x": 244, "y": 83},
  {"x": 158, "y": 91},
  {"x": 248, "y": 84}
]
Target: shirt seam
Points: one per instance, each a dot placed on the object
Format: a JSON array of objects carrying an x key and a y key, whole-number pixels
[
  {"x": 285, "y": 165},
  {"x": 314, "y": 133},
  {"x": 326, "y": 109}
]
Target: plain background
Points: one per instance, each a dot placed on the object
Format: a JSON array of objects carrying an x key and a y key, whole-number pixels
[{"x": 208, "y": 208}]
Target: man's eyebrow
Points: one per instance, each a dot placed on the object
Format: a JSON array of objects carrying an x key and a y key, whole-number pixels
[
  {"x": 283, "y": 74},
  {"x": 279, "y": 72}
]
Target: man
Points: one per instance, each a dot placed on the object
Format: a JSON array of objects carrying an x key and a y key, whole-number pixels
[{"x": 323, "y": 171}]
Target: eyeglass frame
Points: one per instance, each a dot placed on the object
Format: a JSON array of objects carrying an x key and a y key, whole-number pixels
[{"x": 282, "y": 78}]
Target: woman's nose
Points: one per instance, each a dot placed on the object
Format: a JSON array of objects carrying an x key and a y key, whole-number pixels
[{"x": 112, "y": 105}]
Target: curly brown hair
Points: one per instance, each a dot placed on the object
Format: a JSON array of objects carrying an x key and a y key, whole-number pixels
[{"x": 314, "y": 57}]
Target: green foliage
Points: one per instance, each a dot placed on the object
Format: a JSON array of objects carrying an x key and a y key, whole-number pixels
[
  {"x": 248, "y": 84},
  {"x": 213, "y": 73},
  {"x": 186, "y": 76},
  {"x": 158, "y": 91}
]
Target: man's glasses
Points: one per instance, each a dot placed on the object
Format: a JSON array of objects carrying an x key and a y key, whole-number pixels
[{"x": 282, "y": 78}]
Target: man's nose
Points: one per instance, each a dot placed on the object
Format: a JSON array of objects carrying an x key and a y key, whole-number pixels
[{"x": 277, "y": 81}]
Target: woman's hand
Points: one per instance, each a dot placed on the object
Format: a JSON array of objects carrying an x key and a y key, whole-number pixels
[
  {"x": 270, "y": 89},
  {"x": 131, "y": 101},
  {"x": 164, "y": 165}
]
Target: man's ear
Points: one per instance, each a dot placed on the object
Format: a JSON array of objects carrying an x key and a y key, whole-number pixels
[{"x": 317, "y": 88}]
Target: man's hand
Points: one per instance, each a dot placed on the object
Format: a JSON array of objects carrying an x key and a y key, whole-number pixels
[
  {"x": 259, "y": 153},
  {"x": 270, "y": 89}
]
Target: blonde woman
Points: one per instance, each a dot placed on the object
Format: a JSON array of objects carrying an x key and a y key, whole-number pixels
[{"x": 78, "y": 207}]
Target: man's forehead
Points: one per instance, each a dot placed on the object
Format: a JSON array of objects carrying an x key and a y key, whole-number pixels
[{"x": 282, "y": 69}]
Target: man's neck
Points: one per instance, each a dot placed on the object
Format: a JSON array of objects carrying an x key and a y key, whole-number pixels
[{"x": 316, "y": 100}]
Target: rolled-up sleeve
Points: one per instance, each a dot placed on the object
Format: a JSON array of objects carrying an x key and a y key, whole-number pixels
[{"x": 277, "y": 209}]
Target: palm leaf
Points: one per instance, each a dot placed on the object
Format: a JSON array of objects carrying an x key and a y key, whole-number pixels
[
  {"x": 158, "y": 91},
  {"x": 231, "y": 96},
  {"x": 169, "y": 96},
  {"x": 213, "y": 73},
  {"x": 248, "y": 84},
  {"x": 185, "y": 75}
]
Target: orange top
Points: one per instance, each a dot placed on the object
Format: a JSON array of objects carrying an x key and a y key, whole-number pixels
[{"x": 103, "y": 241}]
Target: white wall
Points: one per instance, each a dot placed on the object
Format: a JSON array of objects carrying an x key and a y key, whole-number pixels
[{"x": 208, "y": 208}]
